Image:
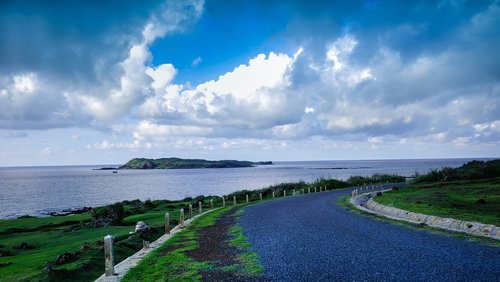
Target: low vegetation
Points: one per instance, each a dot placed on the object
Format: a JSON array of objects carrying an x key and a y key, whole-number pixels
[
  {"x": 212, "y": 248},
  {"x": 70, "y": 247},
  {"x": 473, "y": 170},
  {"x": 477, "y": 200},
  {"x": 329, "y": 183},
  {"x": 470, "y": 192},
  {"x": 178, "y": 163}
]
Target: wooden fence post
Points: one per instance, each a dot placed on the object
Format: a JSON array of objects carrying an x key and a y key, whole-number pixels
[{"x": 190, "y": 211}]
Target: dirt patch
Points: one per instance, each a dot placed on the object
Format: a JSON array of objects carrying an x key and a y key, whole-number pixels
[
  {"x": 214, "y": 242},
  {"x": 215, "y": 248}
]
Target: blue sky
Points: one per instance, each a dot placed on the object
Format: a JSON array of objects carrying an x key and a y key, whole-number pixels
[{"x": 100, "y": 83}]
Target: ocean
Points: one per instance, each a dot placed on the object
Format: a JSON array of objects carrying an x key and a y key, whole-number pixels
[{"x": 38, "y": 191}]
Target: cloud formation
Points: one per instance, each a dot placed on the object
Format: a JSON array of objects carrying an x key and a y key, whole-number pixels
[{"x": 349, "y": 85}]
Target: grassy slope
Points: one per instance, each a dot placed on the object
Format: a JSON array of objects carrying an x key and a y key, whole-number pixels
[
  {"x": 170, "y": 263},
  {"x": 174, "y": 265},
  {"x": 53, "y": 236},
  {"x": 457, "y": 199}
]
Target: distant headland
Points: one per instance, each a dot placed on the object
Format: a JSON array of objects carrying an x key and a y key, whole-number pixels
[{"x": 178, "y": 163}]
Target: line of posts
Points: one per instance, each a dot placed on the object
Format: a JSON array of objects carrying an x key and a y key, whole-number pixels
[{"x": 108, "y": 239}]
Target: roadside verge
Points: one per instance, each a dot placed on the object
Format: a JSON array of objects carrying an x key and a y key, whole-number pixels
[{"x": 366, "y": 203}]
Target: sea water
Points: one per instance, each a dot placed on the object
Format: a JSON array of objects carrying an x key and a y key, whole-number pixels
[{"x": 39, "y": 191}]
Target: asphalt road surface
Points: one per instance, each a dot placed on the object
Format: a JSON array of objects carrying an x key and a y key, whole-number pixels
[{"x": 310, "y": 238}]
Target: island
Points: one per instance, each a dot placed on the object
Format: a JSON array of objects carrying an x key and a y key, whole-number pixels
[{"x": 178, "y": 163}]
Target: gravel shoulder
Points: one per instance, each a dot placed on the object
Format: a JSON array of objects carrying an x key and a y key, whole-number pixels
[{"x": 310, "y": 238}]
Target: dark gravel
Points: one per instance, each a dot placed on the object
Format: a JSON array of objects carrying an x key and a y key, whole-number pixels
[
  {"x": 214, "y": 247},
  {"x": 310, "y": 238}
]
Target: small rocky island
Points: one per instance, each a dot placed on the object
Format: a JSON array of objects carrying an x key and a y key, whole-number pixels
[{"x": 178, "y": 163}]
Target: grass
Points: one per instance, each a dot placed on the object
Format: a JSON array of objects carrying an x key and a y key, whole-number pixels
[
  {"x": 250, "y": 259},
  {"x": 466, "y": 200},
  {"x": 175, "y": 266},
  {"x": 53, "y": 236},
  {"x": 344, "y": 202},
  {"x": 169, "y": 262}
]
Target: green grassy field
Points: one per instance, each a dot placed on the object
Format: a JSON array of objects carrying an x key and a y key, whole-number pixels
[
  {"x": 52, "y": 236},
  {"x": 477, "y": 200}
]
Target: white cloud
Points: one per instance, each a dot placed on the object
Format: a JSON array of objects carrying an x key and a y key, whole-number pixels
[
  {"x": 196, "y": 62},
  {"x": 139, "y": 81},
  {"x": 246, "y": 80},
  {"x": 25, "y": 83},
  {"x": 252, "y": 95},
  {"x": 309, "y": 110},
  {"x": 150, "y": 129},
  {"x": 162, "y": 75}
]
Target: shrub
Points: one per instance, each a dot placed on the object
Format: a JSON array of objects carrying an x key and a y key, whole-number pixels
[
  {"x": 376, "y": 178},
  {"x": 473, "y": 170},
  {"x": 107, "y": 215}
]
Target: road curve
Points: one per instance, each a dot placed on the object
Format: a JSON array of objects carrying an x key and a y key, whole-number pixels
[{"x": 310, "y": 238}]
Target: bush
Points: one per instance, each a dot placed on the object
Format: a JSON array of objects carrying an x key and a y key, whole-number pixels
[
  {"x": 473, "y": 170},
  {"x": 375, "y": 179},
  {"x": 108, "y": 215},
  {"x": 330, "y": 184}
]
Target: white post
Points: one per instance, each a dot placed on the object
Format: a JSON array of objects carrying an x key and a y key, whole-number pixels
[
  {"x": 109, "y": 259},
  {"x": 273, "y": 194},
  {"x": 167, "y": 223},
  {"x": 260, "y": 195},
  {"x": 234, "y": 200},
  {"x": 314, "y": 189},
  {"x": 211, "y": 203},
  {"x": 181, "y": 217},
  {"x": 246, "y": 198},
  {"x": 199, "y": 207},
  {"x": 309, "y": 190},
  {"x": 303, "y": 191},
  {"x": 190, "y": 211},
  {"x": 223, "y": 201},
  {"x": 284, "y": 193}
]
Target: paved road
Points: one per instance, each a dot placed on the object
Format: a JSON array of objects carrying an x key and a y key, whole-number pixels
[{"x": 310, "y": 238}]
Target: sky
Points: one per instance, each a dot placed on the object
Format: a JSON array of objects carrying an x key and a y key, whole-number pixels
[{"x": 101, "y": 82}]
